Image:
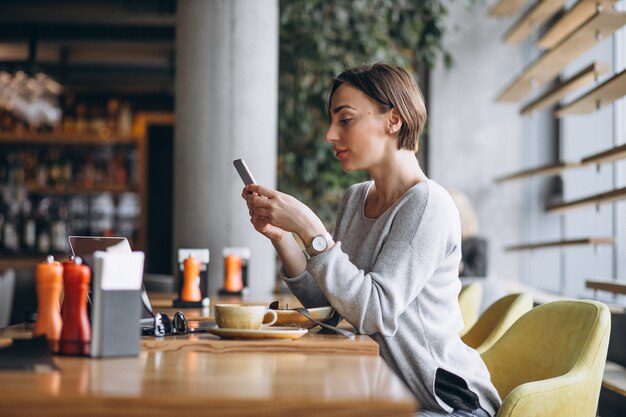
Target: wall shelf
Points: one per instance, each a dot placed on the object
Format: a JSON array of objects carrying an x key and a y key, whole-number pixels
[
  {"x": 561, "y": 243},
  {"x": 551, "y": 169},
  {"x": 28, "y": 138},
  {"x": 532, "y": 19},
  {"x": 613, "y": 195},
  {"x": 79, "y": 189},
  {"x": 572, "y": 20},
  {"x": 505, "y": 8},
  {"x": 605, "y": 93},
  {"x": 552, "y": 62},
  {"x": 610, "y": 286},
  {"x": 610, "y": 155},
  {"x": 577, "y": 81}
]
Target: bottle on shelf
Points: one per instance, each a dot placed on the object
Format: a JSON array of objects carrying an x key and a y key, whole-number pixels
[
  {"x": 10, "y": 233},
  {"x": 58, "y": 226},
  {"x": 43, "y": 226},
  {"x": 29, "y": 228}
]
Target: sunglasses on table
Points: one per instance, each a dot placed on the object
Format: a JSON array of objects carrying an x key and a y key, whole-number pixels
[{"x": 164, "y": 326}]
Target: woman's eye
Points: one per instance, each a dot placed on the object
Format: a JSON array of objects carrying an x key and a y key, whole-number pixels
[{"x": 345, "y": 121}]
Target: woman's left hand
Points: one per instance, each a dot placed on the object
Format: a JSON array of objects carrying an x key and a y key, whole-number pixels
[{"x": 284, "y": 211}]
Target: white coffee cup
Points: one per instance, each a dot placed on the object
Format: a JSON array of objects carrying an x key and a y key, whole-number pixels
[{"x": 234, "y": 316}]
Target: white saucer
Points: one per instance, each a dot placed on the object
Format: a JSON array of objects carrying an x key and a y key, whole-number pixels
[{"x": 266, "y": 333}]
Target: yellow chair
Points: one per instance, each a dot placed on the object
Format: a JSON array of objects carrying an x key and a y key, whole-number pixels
[
  {"x": 470, "y": 297},
  {"x": 550, "y": 362},
  {"x": 496, "y": 320}
]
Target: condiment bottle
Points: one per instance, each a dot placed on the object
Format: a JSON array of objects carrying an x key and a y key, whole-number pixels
[
  {"x": 191, "y": 283},
  {"x": 49, "y": 281},
  {"x": 76, "y": 332}
]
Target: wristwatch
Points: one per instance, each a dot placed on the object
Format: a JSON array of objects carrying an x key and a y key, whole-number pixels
[{"x": 319, "y": 244}]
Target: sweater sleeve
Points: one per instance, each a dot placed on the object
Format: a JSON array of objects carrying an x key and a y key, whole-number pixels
[
  {"x": 373, "y": 301},
  {"x": 304, "y": 286},
  {"x": 306, "y": 290}
]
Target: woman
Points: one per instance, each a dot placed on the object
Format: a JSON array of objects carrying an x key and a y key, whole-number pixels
[{"x": 391, "y": 269}]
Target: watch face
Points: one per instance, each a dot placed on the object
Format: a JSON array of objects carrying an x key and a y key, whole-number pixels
[{"x": 319, "y": 243}]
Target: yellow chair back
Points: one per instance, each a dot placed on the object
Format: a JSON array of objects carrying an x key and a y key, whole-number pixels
[
  {"x": 551, "y": 361},
  {"x": 470, "y": 297},
  {"x": 496, "y": 320}
]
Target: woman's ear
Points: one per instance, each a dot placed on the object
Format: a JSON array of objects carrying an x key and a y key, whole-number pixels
[{"x": 394, "y": 122}]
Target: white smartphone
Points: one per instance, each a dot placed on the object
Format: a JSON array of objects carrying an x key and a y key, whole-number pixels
[{"x": 244, "y": 172}]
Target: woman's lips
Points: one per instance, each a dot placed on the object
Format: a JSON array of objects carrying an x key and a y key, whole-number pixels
[{"x": 340, "y": 154}]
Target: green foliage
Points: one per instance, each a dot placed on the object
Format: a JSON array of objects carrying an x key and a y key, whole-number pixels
[{"x": 319, "y": 39}]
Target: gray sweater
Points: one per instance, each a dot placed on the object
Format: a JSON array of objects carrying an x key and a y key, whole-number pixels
[{"x": 395, "y": 278}]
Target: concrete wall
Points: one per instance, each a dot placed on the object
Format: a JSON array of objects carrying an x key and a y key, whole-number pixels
[{"x": 473, "y": 139}]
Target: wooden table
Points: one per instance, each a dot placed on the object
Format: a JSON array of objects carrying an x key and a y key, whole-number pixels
[
  {"x": 202, "y": 375},
  {"x": 192, "y": 383}
]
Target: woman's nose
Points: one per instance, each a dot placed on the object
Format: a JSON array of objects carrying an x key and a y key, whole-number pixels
[{"x": 331, "y": 134}]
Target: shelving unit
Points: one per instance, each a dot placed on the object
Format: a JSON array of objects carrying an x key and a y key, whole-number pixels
[
  {"x": 611, "y": 155},
  {"x": 572, "y": 20},
  {"x": 505, "y": 8},
  {"x": 552, "y": 62},
  {"x": 613, "y": 195},
  {"x": 561, "y": 243},
  {"x": 97, "y": 165},
  {"x": 550, "y": 169},
  {"x": 582, "y": 78},
  {"x": 605, "y": 93},
  {"x": 531, "y": 20}
]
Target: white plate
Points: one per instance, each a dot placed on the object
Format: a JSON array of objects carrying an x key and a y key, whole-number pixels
[{"x": 267, "y": 333}]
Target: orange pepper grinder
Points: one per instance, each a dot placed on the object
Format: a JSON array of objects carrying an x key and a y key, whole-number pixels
[
  {"x": 76, "y": 332},
  {"x": 232, "y": 273},
  {"x": 191, "y": 283},
  {"x": 49, "y": 281}
]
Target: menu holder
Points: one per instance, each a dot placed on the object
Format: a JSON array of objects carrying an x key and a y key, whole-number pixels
[{"x": 117, "y": 304}]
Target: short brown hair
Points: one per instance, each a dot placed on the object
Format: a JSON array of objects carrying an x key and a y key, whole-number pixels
[{"x": 393, "y": 88}]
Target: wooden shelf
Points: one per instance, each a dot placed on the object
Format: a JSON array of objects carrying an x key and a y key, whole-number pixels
[
  {"x": 572, "y": 20},
  {"x": 552, "y": 62},
  {"x": 505, "y": 8},
  {"x": 28, "y": 138},
  {"x": 613, "y": 195},
  {"x": 561, "y": 243},
  {"x": 605, "y": 93},
  {"x": 582, "y": 78},
  {"x": 551, "y": 169},
  {"x": 532, "y": 19},
  {"x": 610, "y": 155},
  {"x": 79, "y": 189},
  {"x": 610, "y": 286}
]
